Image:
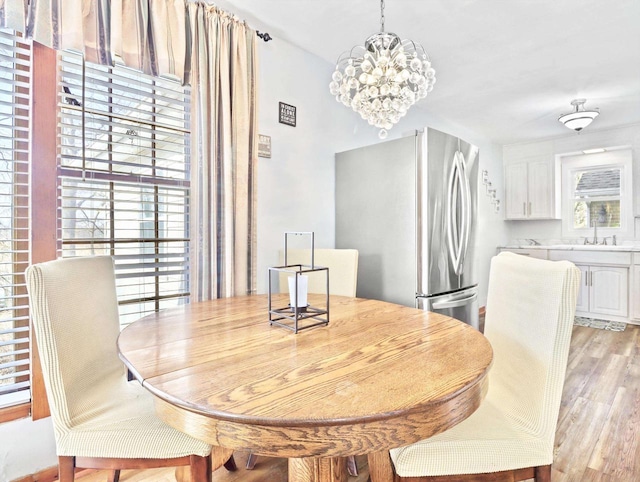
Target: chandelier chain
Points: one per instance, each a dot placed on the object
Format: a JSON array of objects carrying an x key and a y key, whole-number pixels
[{"x": 382, "y": 15}]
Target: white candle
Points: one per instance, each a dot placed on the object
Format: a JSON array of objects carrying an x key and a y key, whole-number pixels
[{"x": 303, "y": 281}]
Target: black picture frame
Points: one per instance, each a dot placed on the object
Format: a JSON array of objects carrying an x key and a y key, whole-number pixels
[{"x": 287, "y": 114}]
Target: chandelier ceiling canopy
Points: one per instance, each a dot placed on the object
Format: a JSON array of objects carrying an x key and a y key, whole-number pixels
[
  {"x": 579, "y": 118},
  {"x": 384, "y": 78}
]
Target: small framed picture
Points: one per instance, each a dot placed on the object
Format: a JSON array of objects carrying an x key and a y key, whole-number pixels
[
  {"x": 287, "y": 114},
  {"x": 264, "y": 146}
]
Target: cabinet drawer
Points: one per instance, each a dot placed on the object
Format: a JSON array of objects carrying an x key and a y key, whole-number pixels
[
  {"x": 591, "y": 257},
  {"x": 636, "y": 258}
]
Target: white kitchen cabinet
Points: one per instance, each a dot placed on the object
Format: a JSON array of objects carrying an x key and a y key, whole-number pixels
[
  {"x": 604, "y": 286},
  {"x": 532, "y": 189},
  {"x": 582, "y": 305},
  {"x": 635, "y": 288},
  {"x": 604, "y": 292}
]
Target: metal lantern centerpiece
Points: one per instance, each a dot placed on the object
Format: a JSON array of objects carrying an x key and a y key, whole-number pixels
[{"x": 298, "y": 314}]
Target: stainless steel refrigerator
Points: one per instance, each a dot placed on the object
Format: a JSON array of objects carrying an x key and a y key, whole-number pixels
[{"x": 409, "y": 207}]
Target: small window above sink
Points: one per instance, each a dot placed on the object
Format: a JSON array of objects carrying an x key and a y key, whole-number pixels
[
  {"x": 596, "y": 198},
  {"x": 597, "y": 195}
]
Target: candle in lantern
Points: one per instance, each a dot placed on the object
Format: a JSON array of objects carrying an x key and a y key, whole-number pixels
[{"x": 303, "y": 282}]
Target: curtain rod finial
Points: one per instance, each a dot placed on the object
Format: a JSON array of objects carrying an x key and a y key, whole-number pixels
[{"x": 264, "y": 36}]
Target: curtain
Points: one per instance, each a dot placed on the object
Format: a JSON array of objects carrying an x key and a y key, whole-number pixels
[
  {"x": 12, "y": 14},
  {"x": 216, "y": 53},
  {"x": 148, "y": 35},
  {"x": 224, "y": 153}
]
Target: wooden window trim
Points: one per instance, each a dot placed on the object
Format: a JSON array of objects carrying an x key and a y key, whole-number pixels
[
  {"x": 15, "y": 412},
  {"x": 43, "y": 189}
]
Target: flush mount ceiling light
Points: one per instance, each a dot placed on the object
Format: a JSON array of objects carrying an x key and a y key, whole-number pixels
[
  {"x": 384, "y": 78},
  {"x": 579, "y": 118}
]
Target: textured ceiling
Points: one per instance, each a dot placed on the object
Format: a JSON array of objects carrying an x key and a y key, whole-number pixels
[{"x": 506, "y": 69}]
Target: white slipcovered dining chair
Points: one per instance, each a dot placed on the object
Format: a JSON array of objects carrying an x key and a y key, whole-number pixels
[
  {"x": 100, "y": 419},
  {"x": 530, "y": 313},
  {"x": 342, "y": 264}
]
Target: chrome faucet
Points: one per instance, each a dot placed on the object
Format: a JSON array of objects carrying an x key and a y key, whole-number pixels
[
  {"x": 595, "y": 234},
  {"x": 533, "y": 242}
]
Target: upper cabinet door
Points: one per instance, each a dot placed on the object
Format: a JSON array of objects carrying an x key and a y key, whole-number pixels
[
  {"x": 540, "y": 189},
  {"x": 515, "y": 180},
  {"x": 531, "y": 189}
]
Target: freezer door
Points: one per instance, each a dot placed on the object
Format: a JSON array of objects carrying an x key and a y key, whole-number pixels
[{"x": 461, "y": 305}]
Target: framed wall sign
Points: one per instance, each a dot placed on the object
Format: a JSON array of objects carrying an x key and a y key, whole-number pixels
[
  {"x": 287, "y": 114},
  {"x": 264, "y": 146}
]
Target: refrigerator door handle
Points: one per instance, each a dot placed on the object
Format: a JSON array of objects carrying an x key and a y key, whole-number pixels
[
  {"x": 458, "y": 230},
  {"x": 466, "y": 219},
  {"x": 440, "y": 305},
  {"x": 451, "y": 216}
]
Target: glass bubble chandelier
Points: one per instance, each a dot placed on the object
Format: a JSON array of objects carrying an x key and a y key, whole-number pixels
[{"x": 384, "y": 78}]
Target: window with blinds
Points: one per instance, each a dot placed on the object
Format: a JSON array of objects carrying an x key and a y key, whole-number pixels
[
  {"x": 15, "y": 63},
  {"x": 124, "y": 179}
]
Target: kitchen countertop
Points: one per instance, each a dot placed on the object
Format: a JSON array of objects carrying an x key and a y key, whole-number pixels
[{"x": 575, "y": 247}]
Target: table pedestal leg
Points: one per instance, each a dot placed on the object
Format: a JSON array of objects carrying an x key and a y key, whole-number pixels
[
  {"x": 380, "y": 467},
  {"x": 326, "y": 469}
]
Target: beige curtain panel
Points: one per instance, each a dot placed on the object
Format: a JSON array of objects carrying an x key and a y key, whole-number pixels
[
  {"x": 224, "y": 153},
  {"x": 148, "y": 35}
]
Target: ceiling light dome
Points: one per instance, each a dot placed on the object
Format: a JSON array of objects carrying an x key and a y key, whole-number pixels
[{"x": 579, "y": 118}]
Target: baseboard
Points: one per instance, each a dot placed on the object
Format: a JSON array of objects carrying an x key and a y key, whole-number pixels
[
  {"x": 46, "y": 475},
  {"x": 50, "y": 474}
]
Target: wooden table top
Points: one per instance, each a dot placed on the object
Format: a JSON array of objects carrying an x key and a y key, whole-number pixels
[
  {"x": 374, "y": 359},
  {"x": 378, "y": 376}
]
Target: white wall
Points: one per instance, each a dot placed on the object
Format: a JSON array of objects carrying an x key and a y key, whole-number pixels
[
  {"x": 296, "y": 186},
  {"x": 574, "y": 142},
  {"x": 26, "y": 447}
]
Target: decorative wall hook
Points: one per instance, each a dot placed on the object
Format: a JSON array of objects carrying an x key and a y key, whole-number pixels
[{"x": 492, "y": 193}]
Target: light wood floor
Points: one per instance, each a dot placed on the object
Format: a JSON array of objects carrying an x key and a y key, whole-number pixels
[{"x": 598, "y": 436}]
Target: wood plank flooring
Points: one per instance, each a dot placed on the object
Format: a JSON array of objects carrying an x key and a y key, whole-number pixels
[{"x": 598, "y": 435}]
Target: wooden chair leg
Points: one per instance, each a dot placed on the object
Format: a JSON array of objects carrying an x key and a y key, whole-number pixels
[
  {"x": 251, "y": 461},
  {"x": 66, "y": 469},
  {"x": 542, "y": 473},
  {"x": 352, "y": 467},
  {"x": 114, "y": 476},
  {"x": 200, "y": 468}
]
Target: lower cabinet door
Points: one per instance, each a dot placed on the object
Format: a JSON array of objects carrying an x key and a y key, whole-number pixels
[
  {"x": 635, "y": 292},
  {"x": 609, "y": 293},
  {"x": 582, "y": 306}
]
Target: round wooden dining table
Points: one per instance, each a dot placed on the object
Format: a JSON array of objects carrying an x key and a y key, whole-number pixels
[{"x": 378, "y": 376}]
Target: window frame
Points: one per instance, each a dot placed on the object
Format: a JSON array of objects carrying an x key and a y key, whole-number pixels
[
  {"x": 613, "y": 157},
  {"x": 162, "y": 179},
  {"x": 43, "y": 194}
]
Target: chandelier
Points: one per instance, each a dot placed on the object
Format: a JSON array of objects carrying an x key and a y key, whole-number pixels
[
  {"x": 384, "y": 78},
  {"x": 579, "y": 118}
]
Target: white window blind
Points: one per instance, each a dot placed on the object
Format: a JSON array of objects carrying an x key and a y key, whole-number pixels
[
  {"x": 124, "y": 179},
  {"x": 15, "y": 63}
]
